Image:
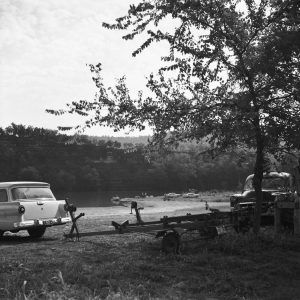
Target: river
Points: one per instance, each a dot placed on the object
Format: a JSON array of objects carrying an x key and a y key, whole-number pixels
[{"x": 97, "y": 198}]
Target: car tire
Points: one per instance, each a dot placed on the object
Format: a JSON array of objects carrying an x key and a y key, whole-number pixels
[{"x": 37, "y": 232}]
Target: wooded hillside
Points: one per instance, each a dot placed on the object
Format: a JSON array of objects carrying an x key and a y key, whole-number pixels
[{"x": 89, "y": 163}]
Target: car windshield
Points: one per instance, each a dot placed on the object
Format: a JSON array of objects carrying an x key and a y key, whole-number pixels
[
  {"x": 29, "y": 193},
  {"x": 269, "y": 183}
]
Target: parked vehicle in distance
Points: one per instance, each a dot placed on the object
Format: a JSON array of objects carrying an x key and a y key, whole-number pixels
[
  {"x": 30, "y": 206},
  {"x": 172, "y": 195},
  {"x": 190, "y": 195},
  {"x": 273, "y": 183}
]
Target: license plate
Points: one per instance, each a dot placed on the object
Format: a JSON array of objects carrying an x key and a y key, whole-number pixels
[{"x": 48, "y": 222}]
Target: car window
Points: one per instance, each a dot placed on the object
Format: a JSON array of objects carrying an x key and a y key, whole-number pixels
[
  {"x": 269, "y": 183},
  {"x": 24, "y": 193},
  {"x": 3, "y": 196}
]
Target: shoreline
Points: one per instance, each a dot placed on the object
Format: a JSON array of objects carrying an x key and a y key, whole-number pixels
[
  {"x": 156, "y": 206},
  {"x": 153, "y": 209}
]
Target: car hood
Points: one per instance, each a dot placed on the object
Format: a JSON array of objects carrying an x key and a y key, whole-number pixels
[{"x": 267, "y": 194}]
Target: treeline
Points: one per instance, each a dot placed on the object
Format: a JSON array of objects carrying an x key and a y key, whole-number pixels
[{"x": 89, "y": 163}]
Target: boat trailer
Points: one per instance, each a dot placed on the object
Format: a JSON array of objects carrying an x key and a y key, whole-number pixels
[{"x": 171, "y": 229}]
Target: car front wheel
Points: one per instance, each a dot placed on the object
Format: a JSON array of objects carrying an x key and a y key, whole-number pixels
[{"x": 36, "y": 232}]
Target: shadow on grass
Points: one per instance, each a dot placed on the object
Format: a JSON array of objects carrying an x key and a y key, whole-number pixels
[{"x": 7, "y": 240}]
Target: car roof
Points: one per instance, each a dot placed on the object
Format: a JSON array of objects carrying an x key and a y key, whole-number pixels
[
  {"x": 272, "y": 175},
  {"x": 22, "y": 183}
]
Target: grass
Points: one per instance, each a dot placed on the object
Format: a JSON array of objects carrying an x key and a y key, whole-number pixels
[{"x": 131, "y": 266}]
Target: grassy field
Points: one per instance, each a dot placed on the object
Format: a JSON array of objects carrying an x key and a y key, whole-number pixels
[{"x": 132, "y": 266}]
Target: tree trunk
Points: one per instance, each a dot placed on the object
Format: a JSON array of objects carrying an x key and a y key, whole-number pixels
[{"x": 257, "y": 183}]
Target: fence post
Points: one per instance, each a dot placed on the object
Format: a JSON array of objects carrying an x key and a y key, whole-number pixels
[
  {"x": 297, "y": 215},
  {"x": 277, "y": 216}
]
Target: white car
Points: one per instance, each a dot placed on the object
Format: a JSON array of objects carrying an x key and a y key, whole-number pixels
[
  {"x": 30, "y": 206},
  {"x": 190, "y": 195},
  {"x": 172, "y": 195}
]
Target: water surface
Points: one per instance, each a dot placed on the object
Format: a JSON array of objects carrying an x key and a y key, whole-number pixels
[{"x": 98, "y": 198}]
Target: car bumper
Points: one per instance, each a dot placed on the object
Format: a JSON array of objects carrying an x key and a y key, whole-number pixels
[{"x": 46, "y": 222}]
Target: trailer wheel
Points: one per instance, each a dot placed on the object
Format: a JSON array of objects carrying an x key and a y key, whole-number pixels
[
  {"x": 36, "y": 232},
  {"x": 170, "y": 243}
]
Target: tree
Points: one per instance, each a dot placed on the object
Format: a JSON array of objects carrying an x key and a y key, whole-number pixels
[
  {"x": 232, "y": 76},
  {"x": 29, "y": 173}
]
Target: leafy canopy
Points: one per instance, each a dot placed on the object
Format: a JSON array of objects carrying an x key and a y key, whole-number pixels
[{"x": 232, "y": 74}]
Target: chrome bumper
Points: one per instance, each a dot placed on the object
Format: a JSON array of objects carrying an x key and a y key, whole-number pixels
[{"x": 46, "y": 222}]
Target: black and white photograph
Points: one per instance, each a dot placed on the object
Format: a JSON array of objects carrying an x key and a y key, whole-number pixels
[{"x": 150, "y": 149}]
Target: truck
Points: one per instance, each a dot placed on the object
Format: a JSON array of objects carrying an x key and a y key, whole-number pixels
[
  {"x": 273, "y": 184},
  {"x": 31, "y": 206}
]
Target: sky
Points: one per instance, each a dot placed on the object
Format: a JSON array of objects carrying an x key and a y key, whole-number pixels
[{"x": 44, "y": 48}]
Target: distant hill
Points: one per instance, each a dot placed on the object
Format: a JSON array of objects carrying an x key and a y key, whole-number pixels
[{"x": 142, "y": 139}]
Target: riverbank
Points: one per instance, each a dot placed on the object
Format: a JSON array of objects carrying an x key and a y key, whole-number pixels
[
  {"x": 103, "y": 198},
  {"x": 159, "y": 206},
  {"x": 152, "y": 209}
]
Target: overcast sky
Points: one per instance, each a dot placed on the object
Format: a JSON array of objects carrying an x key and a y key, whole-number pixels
[{"x": 44, "y": 48}]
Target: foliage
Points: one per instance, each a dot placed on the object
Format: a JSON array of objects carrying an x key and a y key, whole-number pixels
[
  {"x": 29, "y": 173},
  {"x": 238, "y": 67},
  {"x": 90, "y": 164},
  {"x": 235, "y": 77}
]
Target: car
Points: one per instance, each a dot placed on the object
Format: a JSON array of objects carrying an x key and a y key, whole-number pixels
[
  {"x": 31, "y": 206},
  {"x": 172, "y": 195},
  {"x": 190, "y": 195},
  {"x": 273, "y": 184}
]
